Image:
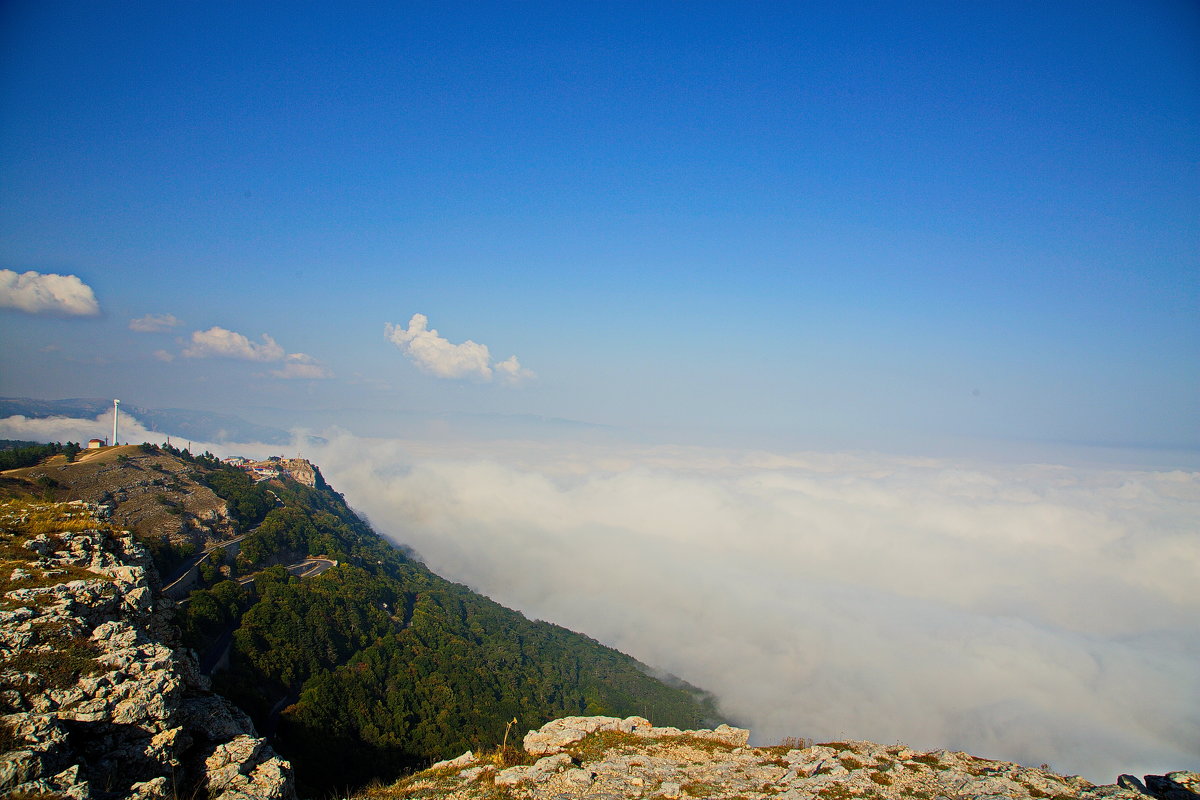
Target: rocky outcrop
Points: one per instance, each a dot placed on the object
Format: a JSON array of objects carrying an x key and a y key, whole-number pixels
[
  {"x": 97, "y": 704},
  {"x": 614, "y": 759},
  {"x": 556, "y": 735},
  {"x": 301, "y": 470}
]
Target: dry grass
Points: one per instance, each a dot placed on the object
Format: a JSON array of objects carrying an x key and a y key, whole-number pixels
[
  {"x": 502, "y": 757},
  {"x": 700, "y": 789},
  {"x": 596, "y": 746},
  {"x": 21, "y": 520},
  {"x": 795, "y": 743}
]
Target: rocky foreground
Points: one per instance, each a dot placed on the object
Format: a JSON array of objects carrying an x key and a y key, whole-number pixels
[
  {"x": 94, "y": 704},
  {"x": 605, "y": 758}
]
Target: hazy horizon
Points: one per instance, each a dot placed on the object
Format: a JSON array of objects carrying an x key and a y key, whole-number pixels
[{"x": 847, "y": 350}]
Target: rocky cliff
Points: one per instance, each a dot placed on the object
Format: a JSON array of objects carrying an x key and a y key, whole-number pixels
[
  {"x": 605, "y": 758},
  {"x": 303, "y": 471},
  {"x": 96, "y": 702}
]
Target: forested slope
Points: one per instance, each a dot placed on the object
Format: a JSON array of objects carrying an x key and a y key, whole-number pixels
[{"x": 378, "y": 665}]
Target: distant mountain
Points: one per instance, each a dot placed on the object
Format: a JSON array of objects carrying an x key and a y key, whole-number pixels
[{"x": 201, "y": 426}]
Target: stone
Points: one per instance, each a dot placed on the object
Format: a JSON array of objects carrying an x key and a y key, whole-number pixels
[
  {"x": 18, "y": 767},
  {"x": 512, "y": 776},
  {"x": 737, "y": 737},
  {"x": 670, "y": 790},
  {"x": 215, "y": 717},
  {"x": 1174, "y": 786},
  {"x": 1188, "y": 780},
  {"x": 557, "y": 734},
  {"x": 1132, "y": 784},
  {"x": 551, "y": 764},
  {"x": 541, "y": 771},
  {"x": 153, "y": 789},
  {"x": 577, "y": 777},
  {"x": 456, "y": 763},
  {"x": 475, "y": 773}
]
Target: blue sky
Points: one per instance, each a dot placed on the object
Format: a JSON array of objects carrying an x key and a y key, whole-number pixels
[{"x": 826, "y": 223}]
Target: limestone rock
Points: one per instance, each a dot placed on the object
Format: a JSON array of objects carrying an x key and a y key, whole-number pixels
[
  {"x": 136, "y": 720},
  {"x": 463, "y": 761},
  {"x": 214, "y": 717},
  {"x": 557, "y": 734},
  {"x": 655, "y": 762},
  {"x": 246, "y": 768},
  {"x": 1174, "y": 786},
  {"x": 153, "y": 789}
]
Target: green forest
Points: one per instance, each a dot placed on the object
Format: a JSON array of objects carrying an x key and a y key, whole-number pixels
[{"x": 378, "y": 666}]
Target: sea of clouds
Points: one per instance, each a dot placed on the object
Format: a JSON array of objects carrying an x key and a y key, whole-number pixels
[{"x": 1036, "y": 613}]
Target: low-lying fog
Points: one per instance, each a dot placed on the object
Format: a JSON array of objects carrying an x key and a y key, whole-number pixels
[
  {"x": 1032, "y": 613},
  {"x": 1035, "y": 613}
]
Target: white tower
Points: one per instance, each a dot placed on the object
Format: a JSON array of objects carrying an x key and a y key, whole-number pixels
[{"x": 115, "y": 404}]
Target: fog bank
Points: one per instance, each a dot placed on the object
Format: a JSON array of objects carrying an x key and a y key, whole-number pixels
[{"x": 1032, "y": 613}]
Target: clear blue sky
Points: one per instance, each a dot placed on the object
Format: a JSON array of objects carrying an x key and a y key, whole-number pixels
[{"x": 826, "y": 221}]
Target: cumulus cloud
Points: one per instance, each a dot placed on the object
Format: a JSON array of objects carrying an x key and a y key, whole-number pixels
[
  {"x": 511, "y": 370},
  {"x": 219, "y": 342},
  {"x": 301, "y": 366},
  {"x": 438, "y": 356},
  {"x": 1036, "y": 613},
  {"x": 47, "y": 293},
  {"x": 154, "y": 323}
]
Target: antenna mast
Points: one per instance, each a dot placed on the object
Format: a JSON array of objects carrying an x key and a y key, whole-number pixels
[{"x": 115, "y": 404}]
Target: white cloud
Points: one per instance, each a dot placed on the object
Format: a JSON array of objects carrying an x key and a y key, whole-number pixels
[
  {"x": 301, "y": 366},
  {"x": 218, "y": 342},
  {"x": 74, "y": 429},
  {"x": 1035, "y": 613},
  {"x": 38, "y": 293},
  {"x": 64, "y": 429},
  {"x": 438, "y": 356},
  {"x": 511, "y": 370},
  {"x": 154, "y": 323},
  {"x": 163, "y": 355}
]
